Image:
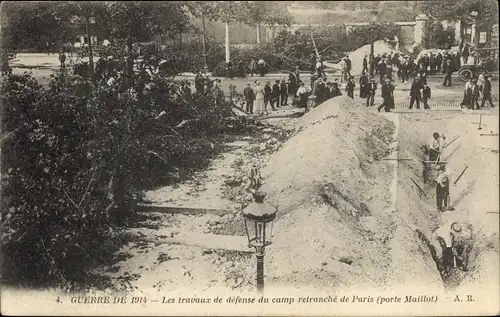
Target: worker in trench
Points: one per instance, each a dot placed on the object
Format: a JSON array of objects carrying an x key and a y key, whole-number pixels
[
  {"x": 456, "y": 243},
  {"x": 436, "y": 146},
  {"x": 443, "y": 192}
]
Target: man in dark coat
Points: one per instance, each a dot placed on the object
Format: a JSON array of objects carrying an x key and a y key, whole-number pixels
[
  {"x": 268, "y": 92},
  {"x": 199, "y": 83},
  {"x": 381, "y": 70},
  {"x": 275, "y": 99},
  {"x": 387, "y": 96},
  {"x": 365, "y": 64},
  {"x": 448, "y": 68},
  {"x": 349, "y": 87},
  {"x": 487, "y": 91},
  {"x": 465, "y": 53},
  {"x": 249, "y": 97},
  {"x": 388, "y": 70},
  {"x": 349, "y": 64},
  {"x": 371, "y": 90},
  {"x": 241, "y": 69},
  {"x": 415, "y": 94},
  {"x": 376, "y": 61},
  {"x": 284, "y": 93},
  {"x": 363, "y": 85},
  {"x": 426, "y": 95}
]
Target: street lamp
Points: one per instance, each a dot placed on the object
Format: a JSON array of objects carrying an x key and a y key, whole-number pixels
[
  {"x": 259, "y": 218},
  {"x": 372, "y": 39}
]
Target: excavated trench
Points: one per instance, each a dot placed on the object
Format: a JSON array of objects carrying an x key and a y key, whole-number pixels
[{"x": 474, "y": 196}]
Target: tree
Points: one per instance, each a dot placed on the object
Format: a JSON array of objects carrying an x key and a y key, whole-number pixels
[
  {"x": 487, "y": 12},
  {"x": 451, "y": 10},
  {"x": 272, "y": 13}
]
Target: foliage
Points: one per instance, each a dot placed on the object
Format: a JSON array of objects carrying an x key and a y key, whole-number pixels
[
  {"x": 272, "y": 13},
  {"x": 451, "y": 10},
  {"x": 436, "y": 36},
  {"x": 77, "y": 156}
]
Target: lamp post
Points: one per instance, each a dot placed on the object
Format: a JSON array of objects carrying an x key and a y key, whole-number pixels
[
  {"x": 372, "y": 40},
  {"x": 205, "y": 61},
  {"x": 259, "y": 217}
]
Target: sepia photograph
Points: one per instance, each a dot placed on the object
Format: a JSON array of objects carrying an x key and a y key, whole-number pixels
[{"x": 249, "y": 158}]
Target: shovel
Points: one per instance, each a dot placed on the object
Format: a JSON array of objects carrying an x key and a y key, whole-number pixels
[{"x": 450, "y": 208}]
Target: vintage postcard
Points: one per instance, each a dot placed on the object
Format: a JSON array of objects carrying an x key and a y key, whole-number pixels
[{"x": 249, "y": 158}]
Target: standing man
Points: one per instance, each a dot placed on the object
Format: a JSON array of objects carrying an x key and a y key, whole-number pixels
[
  {"x": 381, "y": 70},
  {"x": 344, "y": 69},
  {"x": 435, "y": 146},
  {"x": 388, "y": 96},
  {"x": 388, "y": 70},
  {"x": 465, "y": 53},
  {"x": 275, "y": 99},
  {"x": 199, "y": 83},
  {"x": 350, "y": 87},
  {"x": 448, "y": 68},
  {"x": 249, "y": 97},
  {"x": 426, "y": 95},
  {"x": 252, "y": 67},
  {"x": 284, "y": 93},
  {"x": 229, "y": 70},
  {"x": 487, "y": 91},
  {"x": 376, "y": 61},
  {"x": 442, "y": 192},
  {"x": 415, "y": 94},
  {"x": 62, "y": 59},
  {"x": 267, "y": 95},
  {"x": 371, "y": 90},
  {"x": 363, "y": 85},
  {"x": 349, "y": 65},
  {"x": 365, "y": 64}
]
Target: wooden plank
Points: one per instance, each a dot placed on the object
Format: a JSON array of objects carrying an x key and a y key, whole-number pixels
[
  {"x": 489, "y": 134},
  {"x": 181, "y": 209},
  {"x": 440, "y": 162},
  {"x": 414, "y": 182},
  {"x": 206, "y": 241},
  {"x": 397, "y": 159}
]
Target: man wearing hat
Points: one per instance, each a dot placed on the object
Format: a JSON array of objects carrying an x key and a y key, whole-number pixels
[
  {"x": 415, "y": 94},
  {"x": 442, "y": 191},
  {"x": 371, "y": 90},
  {"x": 487, "y": 91},
  {"x": 249, "y": 97}
]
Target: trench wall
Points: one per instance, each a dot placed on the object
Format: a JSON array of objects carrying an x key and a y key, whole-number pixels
[{"x": 474, "y": 197}]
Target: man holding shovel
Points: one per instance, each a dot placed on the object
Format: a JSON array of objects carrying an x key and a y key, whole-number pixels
[
  {"x": 436, "y": 146},
  {"x": 442, "y": 192}
]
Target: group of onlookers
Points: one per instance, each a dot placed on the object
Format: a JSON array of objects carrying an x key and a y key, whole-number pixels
[
  {"x": 258, "y": 98},
  {"x": 476, "y": 88}
]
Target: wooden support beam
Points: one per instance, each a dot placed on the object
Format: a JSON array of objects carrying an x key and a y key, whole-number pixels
[
  {"x": 440, "y": 162},
  {"x": 414, "y": 182},
  {"x": 181, "y": 210},
  {"x": 493, "y": 212},
  {"x": 205, "y": 241},
  {"x": 489, "y": 134}
]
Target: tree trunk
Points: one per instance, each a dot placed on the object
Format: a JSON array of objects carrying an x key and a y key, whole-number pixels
[
  {"x": 258, "y": 33},
  {"x": 228, "y": 52},
  {"x": 89, "y": 47},
  {"x": 129, "y": 67},
  {"x": 205, "y": 61}
]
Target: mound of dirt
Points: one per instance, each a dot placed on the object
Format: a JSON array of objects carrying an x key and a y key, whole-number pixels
[
  {"x": 335, "y": 227},
  {"x": 379, "y": 47},
  {"x": 338, "y": 145}
]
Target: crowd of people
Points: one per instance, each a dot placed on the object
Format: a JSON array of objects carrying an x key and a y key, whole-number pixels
[{"x": 261, "y": 97}]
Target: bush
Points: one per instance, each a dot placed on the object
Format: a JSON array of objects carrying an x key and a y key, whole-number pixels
[
  {"x": 436, "y": 36},
  {"x": 76, "y": 158}
]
